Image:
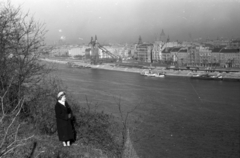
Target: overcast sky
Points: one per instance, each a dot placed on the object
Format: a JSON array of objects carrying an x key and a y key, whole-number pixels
[{"x": 123, "y": 21}]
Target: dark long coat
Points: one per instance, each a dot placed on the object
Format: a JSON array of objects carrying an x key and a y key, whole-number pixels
[{"x": 64, "y": 124}]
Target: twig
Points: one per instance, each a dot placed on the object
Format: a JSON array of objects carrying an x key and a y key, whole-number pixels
[
  {"x": 88, "y": 104},
  {"x": 13, "y": 148},
  {"x": 7, "y": 150},
  {"x": 39, "y": 153},
  {"x": 13, "y": 120},
  {"x": 15, "y": 137},
  {"x": 2, "y": 101}
]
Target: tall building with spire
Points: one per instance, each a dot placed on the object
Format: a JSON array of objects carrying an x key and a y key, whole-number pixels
[
  {"x": 140, "y": 40},
  {"x": 163, "y": 36},
  {"x": 159, "y": 45},
  {"x": 96, "y": 39}
]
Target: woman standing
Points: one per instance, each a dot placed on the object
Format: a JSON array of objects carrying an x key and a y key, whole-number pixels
[{"x": 64, "y": 119}]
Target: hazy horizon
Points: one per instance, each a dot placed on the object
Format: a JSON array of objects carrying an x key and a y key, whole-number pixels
[{"x": 123, "y": 21}]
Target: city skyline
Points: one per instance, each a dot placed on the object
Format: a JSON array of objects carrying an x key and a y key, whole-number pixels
[{"x": 76, "y": 21}]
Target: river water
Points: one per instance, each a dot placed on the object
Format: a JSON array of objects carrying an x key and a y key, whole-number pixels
[{"x": 174, "y": 117}]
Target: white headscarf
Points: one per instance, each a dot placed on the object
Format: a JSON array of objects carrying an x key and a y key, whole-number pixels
[{"x": 60, "y": 94}]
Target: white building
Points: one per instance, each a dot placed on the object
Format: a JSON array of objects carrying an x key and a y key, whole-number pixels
[{"x": 77, "y": 51}]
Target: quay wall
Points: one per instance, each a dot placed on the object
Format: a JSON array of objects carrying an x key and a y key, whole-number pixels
[{"x": 179, "y": 73}]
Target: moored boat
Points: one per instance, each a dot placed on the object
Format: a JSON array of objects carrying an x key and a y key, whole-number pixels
[
  {"x": 195, "y": 75},
  {"x": 150, "y": 74},
  {"x": 207, "y": 77},
  {"x": 143, "y": 72},
  {"x": 159, "y": 75},
  {"x": 147, "y": 73}
]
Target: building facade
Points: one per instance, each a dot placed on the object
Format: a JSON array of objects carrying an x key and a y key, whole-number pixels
[
  {"x": 144, "y": 52},
  {"x": 235, "y": 43},
  {"x": 166, "y": 55},
  {"x": 157, "y": 51},
  {"x": 231, "y": 57},
  {"x": 182, "y": 56}
]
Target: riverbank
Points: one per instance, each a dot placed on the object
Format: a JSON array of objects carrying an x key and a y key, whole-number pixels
[
  {"x": 177, "y": 73},
  {"x": 129, "y": 150},
  {"x": 113, "y": 67},
  {"x": 176, "y": 116}
]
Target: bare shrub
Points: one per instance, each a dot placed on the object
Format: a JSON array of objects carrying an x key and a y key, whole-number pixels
[
  {"x": 21, "y": 44},
  {"x": 96, "y": 129},
  {"x": 39, "y": 109},
  {"x": 126, "y": 147},
  {"x": 9, "y": 127}
]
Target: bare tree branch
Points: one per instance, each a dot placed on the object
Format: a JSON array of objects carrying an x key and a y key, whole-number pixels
[
  {"x": 13, "y": 120},
  {"x": 6, "y": 148},
  {"x": 39, "y": 153},
  {"x": 21, "y": 142}
]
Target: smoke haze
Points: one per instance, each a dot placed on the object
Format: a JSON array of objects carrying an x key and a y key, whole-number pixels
[{"x": 123, "y": 21}]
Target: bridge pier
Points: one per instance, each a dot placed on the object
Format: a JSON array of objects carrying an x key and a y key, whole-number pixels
[{"x": 95, "y": 48}]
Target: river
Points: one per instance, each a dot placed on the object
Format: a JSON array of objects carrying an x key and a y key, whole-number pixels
[{"x": 176, "y": 117}]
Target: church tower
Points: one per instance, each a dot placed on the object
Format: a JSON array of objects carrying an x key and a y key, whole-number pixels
[
  {"x": 140, "y": 40},
  {"x": 162, "y": 36}
]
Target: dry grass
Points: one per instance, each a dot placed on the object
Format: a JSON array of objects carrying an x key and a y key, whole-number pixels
[{"x": 44, "y": 146}]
